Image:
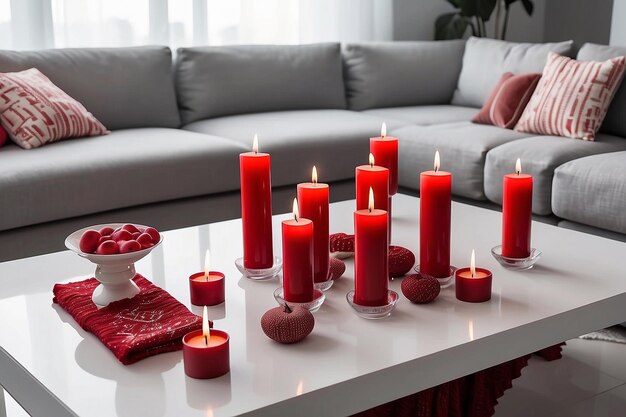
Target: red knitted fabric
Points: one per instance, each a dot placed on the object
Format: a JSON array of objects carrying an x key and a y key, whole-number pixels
[
  {"x": 150, "y": 323},
  {"x": 475, "y": 395}
]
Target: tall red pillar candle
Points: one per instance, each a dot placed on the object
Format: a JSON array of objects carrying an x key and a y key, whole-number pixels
[
  {"x": 435, "y": 208},
  {"x": 371, "y": 256},
  {"x": 517, "y": 204},
  {"x": 374, "y": 177},
  {"x": 206, "y": 352},
  {"x": 256, "y": 208},
  {"x": 313, "y": 199},
  {"x": 385, "y": 151},
  {"x": 297, "y": 258}
]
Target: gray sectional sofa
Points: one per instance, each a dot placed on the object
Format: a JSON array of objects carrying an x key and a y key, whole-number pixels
[{"x": 171, "y": 159}]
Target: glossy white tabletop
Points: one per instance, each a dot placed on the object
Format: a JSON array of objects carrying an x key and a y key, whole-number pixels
[{"x": 346, "y": 365}]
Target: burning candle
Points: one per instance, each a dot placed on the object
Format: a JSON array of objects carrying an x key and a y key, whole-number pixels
[
  {"x": 473, "y": 284},
  {"x": 206, "y": 351},
  {"x": 435, "y": 208},
  {"x": 313, "y": 198},
  {"x": 256, "y": 208},
  {"x": 385, "y": 151},
  {"x": 372, "y": 177},
  {"x": 207, "y": 288},
  {"x": 517, "y": 203},
  {"x": 297, "y": 258},
  {"x": 371, "y": 263}
]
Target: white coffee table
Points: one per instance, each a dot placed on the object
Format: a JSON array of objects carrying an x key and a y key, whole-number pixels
[{"x": 348, "y": 364}]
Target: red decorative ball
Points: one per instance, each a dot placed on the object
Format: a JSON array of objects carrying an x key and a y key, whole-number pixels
[
  {"x": 420, "y": 289},
  {"x": 401, "y": 260},
  {"x": 285, "y": 324},
  {"x": 341, "y": 242},
  {"x": 337, "y": 268}
]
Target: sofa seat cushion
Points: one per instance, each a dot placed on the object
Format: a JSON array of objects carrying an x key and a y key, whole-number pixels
[
  {"x": 592, "y": 191},
  {"x": 540, "y": 156},
  {"x": 462, "y": 146},
  {"x": 123, "y": 169},
  {"x": 334, "y": 140},
  {"x": 425, "y": 115}
]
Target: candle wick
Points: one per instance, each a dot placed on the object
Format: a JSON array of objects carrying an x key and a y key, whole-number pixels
[{"x": 206, "y": 340}]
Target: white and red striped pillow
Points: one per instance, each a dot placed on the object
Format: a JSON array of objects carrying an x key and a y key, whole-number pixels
[
  {"x": 34, "y": 111},
  {"x": 572, "y": 97}
]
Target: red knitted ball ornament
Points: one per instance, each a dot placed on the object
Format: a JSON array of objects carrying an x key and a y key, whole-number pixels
[
  {"x": 401, "y": 260},
  {"x": 420, "y": 289},
  {"x": 341, "y": 242},
  {"x": 285, "y": 324},
  {"x": 337, "y": 268}
]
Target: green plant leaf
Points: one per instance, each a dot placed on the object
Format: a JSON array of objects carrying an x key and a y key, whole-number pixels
[
  {"x": 450, "y": 26},
  {"x": 479, "y": 8},
  {"x": 455, "y": 3},
  {"x": 528, "y": 6}
]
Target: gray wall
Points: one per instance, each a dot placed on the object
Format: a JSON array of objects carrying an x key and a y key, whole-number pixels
[
  {"x": 580, "y": 20},
  {"x": 618, "y": 27}
]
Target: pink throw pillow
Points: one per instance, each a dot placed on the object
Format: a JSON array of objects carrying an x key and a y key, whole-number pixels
[
  {"x": 483, "y": 116},
  {"x": 512, "y": 99},
  {"x": 34, "y": 111},
  {"x": 572, "y": 97}
]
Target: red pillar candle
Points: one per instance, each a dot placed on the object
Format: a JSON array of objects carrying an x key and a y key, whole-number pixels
[
  {"x": 376, "y": 178},
  {"x": 371, "y": 262},
  {"x": 206, "y": 352},
  {"x": 256, "y": 208},
  {"x": 297, "y": 258},
  {"x": 517, "y": 204},
  {"x": 313, "y": 199},
  {"x": 207, "y": 288},
  {"x": 435, "y": 208},
  {"x": 385, "y": 151},
  {"x": 473, "y": 284}
]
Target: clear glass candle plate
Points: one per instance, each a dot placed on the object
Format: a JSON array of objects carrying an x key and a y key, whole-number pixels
[
  {"x": 444, "y": 282},
  {"x": 324, "y": 286},
  {"x": 312, "y": 306},
  {"x": 516, "y": 263},
  {"x": 373, "y": 312},
  {"x": 260, "y": 274}
]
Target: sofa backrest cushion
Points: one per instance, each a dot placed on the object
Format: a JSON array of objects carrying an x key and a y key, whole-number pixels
[
  {"x": 226, "y": 80},
  {"x": 394, "y": 74},
  {"x": 615, "y": 120},
  {"x": 122, "y": 87},
  {"x": 485, "y": 60}
]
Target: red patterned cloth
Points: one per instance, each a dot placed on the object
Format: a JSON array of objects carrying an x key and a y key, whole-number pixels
[
  {"x": 150, "y": 323},
  {"x": 475, "y": 395}
]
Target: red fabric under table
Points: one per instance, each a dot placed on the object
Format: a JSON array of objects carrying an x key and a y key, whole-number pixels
[{"x": 150, "y": 323}]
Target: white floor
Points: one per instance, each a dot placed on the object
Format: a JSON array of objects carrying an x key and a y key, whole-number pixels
[{"x": 589, "y": 381}]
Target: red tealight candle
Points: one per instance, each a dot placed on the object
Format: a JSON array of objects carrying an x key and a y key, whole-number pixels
[
  {"x": 376, "y": 178},
  {"x": 313, "y": 199},
  {"x": 473, "y": 284},
  {"x": 385, "y": 151},
  {"x": 256, "y": 208},
  {"x": 371, "y": 262},
  {"x": 207, "y": 288},
  {"x": 206, "y": 352},
  {"x": 435, "y": 208},
  {"x": 517, "y": 204},
  {"x": 297, "y": 258}
]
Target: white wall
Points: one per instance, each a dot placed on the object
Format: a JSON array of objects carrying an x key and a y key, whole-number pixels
[{"x": 618, "y": 25}]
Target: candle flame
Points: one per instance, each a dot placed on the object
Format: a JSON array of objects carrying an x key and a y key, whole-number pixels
[
  {"x": 518, "y": 166},
  {"x": 473, "y": 264},
  {"x": 371, "y": 159},
  {"x": 206, "y": 330},
  {"x": 314, "y": 175},
  {"x": 470, "y": 328},
  {"x": 437, "y": 161},
  {"x": 370, "y": 204},
  {"x": 255, "y": 144},
  {"x": 383, "y": 130},
  {"x": 207, "y": 264},
  {"x": 296, "y": 212}
]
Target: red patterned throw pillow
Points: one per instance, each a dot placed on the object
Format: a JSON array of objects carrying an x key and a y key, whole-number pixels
[
  {"x": 3, "y": 136},
  {"x": 34, "y": 111},
  {"x": 572, "y": 97}
]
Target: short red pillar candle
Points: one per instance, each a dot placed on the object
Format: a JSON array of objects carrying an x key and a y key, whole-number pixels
[
  {"x": 374, "y": 177},
  {"x": 517, "y": 204},
  {"x": 371, "y": 256},
  {"x": 297, "y": 258},
  {"x": 207, "y": 288},
  {"x": 256, "y": 208},
  {"x": 385, "y": 151},
  {"x": 472, "y": 284},
  {"x": 206, "y": 352},
  {"x": 435, "y": 217},
  {"x": 313, "y": 199}
]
